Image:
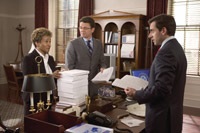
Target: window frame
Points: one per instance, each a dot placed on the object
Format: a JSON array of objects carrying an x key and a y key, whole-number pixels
[
  {"x": 185, "y": 26},
  {"x": 67, "y": 26}
]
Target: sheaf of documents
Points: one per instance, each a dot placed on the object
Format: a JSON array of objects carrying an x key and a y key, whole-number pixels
[
  {"x": 104, "y": 76},
  {"x": 137, "y": 109},
  {"x": 130, "y": 81}
]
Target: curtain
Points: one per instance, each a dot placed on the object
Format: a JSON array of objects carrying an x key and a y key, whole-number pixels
[
  {"x": 41, "y": 13},
  {"x": 85, "y": 9},
  {"x": 154, "y": 7}
]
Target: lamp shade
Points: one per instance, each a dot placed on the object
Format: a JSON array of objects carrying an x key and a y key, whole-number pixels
[{"x": 38, "y": 83}]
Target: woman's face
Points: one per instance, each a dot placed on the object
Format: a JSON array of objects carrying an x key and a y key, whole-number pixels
[{"x": 45, "y": 45}]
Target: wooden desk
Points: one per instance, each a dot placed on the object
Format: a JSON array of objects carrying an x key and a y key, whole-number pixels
[
  {"x": 116, "y": 112},
  {"x": 120, "y": 110}
]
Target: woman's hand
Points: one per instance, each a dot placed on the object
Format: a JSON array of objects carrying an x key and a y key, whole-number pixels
[{"x": 56, "y": 74}]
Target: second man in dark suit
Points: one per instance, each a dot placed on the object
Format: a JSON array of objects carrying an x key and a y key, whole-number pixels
[{"x": 164, "y": 94}]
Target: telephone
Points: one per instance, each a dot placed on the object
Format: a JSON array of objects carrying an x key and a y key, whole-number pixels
[{"x": 100, "y": 119}]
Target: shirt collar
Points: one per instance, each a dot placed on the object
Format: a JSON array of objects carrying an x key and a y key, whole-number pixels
[
  {"x": 45, "y": 57},
  {"x": 87, "y": 39},
  {"x": 166, "y": 40}
]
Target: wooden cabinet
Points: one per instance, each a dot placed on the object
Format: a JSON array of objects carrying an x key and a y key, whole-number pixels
[{"x": 112, "y": 27}]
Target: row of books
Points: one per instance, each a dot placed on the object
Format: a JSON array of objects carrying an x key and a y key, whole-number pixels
[
  {"x": 111, "y": 49},
  {"x": 127, "y": 50},
  {"x": 111, "y": 37}
]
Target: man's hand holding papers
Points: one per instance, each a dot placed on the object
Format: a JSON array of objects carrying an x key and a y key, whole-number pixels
[
  {"x": 130, "y": 84},
  {"x": 104, "y": 76}
]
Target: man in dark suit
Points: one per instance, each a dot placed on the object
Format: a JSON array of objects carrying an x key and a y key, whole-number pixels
[
  {"x": 41, "y": 38},
  {"x": 164, "y": 94},
  {"x": 81, "y": 55}
]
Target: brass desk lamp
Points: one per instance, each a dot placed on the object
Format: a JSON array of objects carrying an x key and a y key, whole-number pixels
[{"x": 38, "y": 83}]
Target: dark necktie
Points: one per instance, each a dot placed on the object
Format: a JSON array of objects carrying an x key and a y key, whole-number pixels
[{"x": 89, "y": 47}]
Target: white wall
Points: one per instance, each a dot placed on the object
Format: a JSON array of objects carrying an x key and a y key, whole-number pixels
[
  {"x": 131, "y": 6},
  {"x": 192, "y": 92},
  {"x": 13, "y": 13}
]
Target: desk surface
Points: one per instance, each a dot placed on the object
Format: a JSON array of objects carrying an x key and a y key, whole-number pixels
[{"x": 116, "y": 112}]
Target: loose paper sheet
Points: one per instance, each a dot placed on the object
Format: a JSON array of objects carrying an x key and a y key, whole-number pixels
[
  {"x": 127, "y": 50},
  {"x": 130, "y": 81},
  {"x": 136, "y": 109},
  {"x": 131, "y": 122},
  {"x": 104, "y": 76}
]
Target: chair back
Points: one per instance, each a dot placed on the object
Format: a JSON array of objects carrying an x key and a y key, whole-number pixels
[
  {"x": 141, "y": 73},
  {"x": 10, "y": 75},
  {"x": 14, "y": 83}
]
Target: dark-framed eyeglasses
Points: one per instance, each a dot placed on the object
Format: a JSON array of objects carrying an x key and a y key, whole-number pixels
[{"x": 84, "y": 28}]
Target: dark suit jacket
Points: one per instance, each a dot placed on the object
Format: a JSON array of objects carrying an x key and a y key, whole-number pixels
[
  {"x": 77, "y": 56},
  {"x": 29, "y": 66},
  {"x": 165, "y": 92}
]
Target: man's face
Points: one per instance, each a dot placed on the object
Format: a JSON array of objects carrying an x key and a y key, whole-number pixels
[
  {"x": 86, "y": 30},
  {"x": 156, "y": 36},
  {"x": 45, "y": 45}
]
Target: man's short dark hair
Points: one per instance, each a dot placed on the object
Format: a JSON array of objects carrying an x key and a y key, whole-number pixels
[
  {"x": 87, "y": 19},
  {"x": 164, "y": 20}
]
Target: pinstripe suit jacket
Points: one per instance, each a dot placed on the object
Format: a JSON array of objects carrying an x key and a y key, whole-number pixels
[{"x": 165, "y": 92}]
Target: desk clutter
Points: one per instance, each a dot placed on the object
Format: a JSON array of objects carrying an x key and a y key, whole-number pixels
[
  {"x": 110, "y": 120},
  {"x": 74, "y": 103}
]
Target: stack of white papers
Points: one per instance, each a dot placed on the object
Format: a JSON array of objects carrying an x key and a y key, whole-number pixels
[{"x": 73, "y": 86}]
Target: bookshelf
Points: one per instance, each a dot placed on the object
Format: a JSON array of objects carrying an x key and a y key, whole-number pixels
[{"x": 118, "y": 31}]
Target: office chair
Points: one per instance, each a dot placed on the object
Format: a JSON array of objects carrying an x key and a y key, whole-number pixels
[
  {"x": 141, "y": 73},
  {"x": 14, "y": 84}
]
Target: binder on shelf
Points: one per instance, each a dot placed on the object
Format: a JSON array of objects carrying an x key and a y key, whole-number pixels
[
  {"x": 114, "y": 37},
  {"x": 127, "y": 50},
  {"x": 109, "y": 37},
  {"x": 106, "y": 37},
  {"x": 128, "y": 38}
]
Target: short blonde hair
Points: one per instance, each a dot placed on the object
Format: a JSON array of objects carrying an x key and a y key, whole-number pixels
[{"x": 38, "y": 33}]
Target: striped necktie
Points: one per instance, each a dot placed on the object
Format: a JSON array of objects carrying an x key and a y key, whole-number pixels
[{"x": 89, "y": 47}]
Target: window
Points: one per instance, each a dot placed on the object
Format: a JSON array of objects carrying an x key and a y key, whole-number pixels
[
  {"x": 67, "y": 26},
  {"x": 187, "y": 16}
]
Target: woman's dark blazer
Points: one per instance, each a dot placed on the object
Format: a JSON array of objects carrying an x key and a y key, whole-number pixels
[{"x": 29, "y": 66}]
